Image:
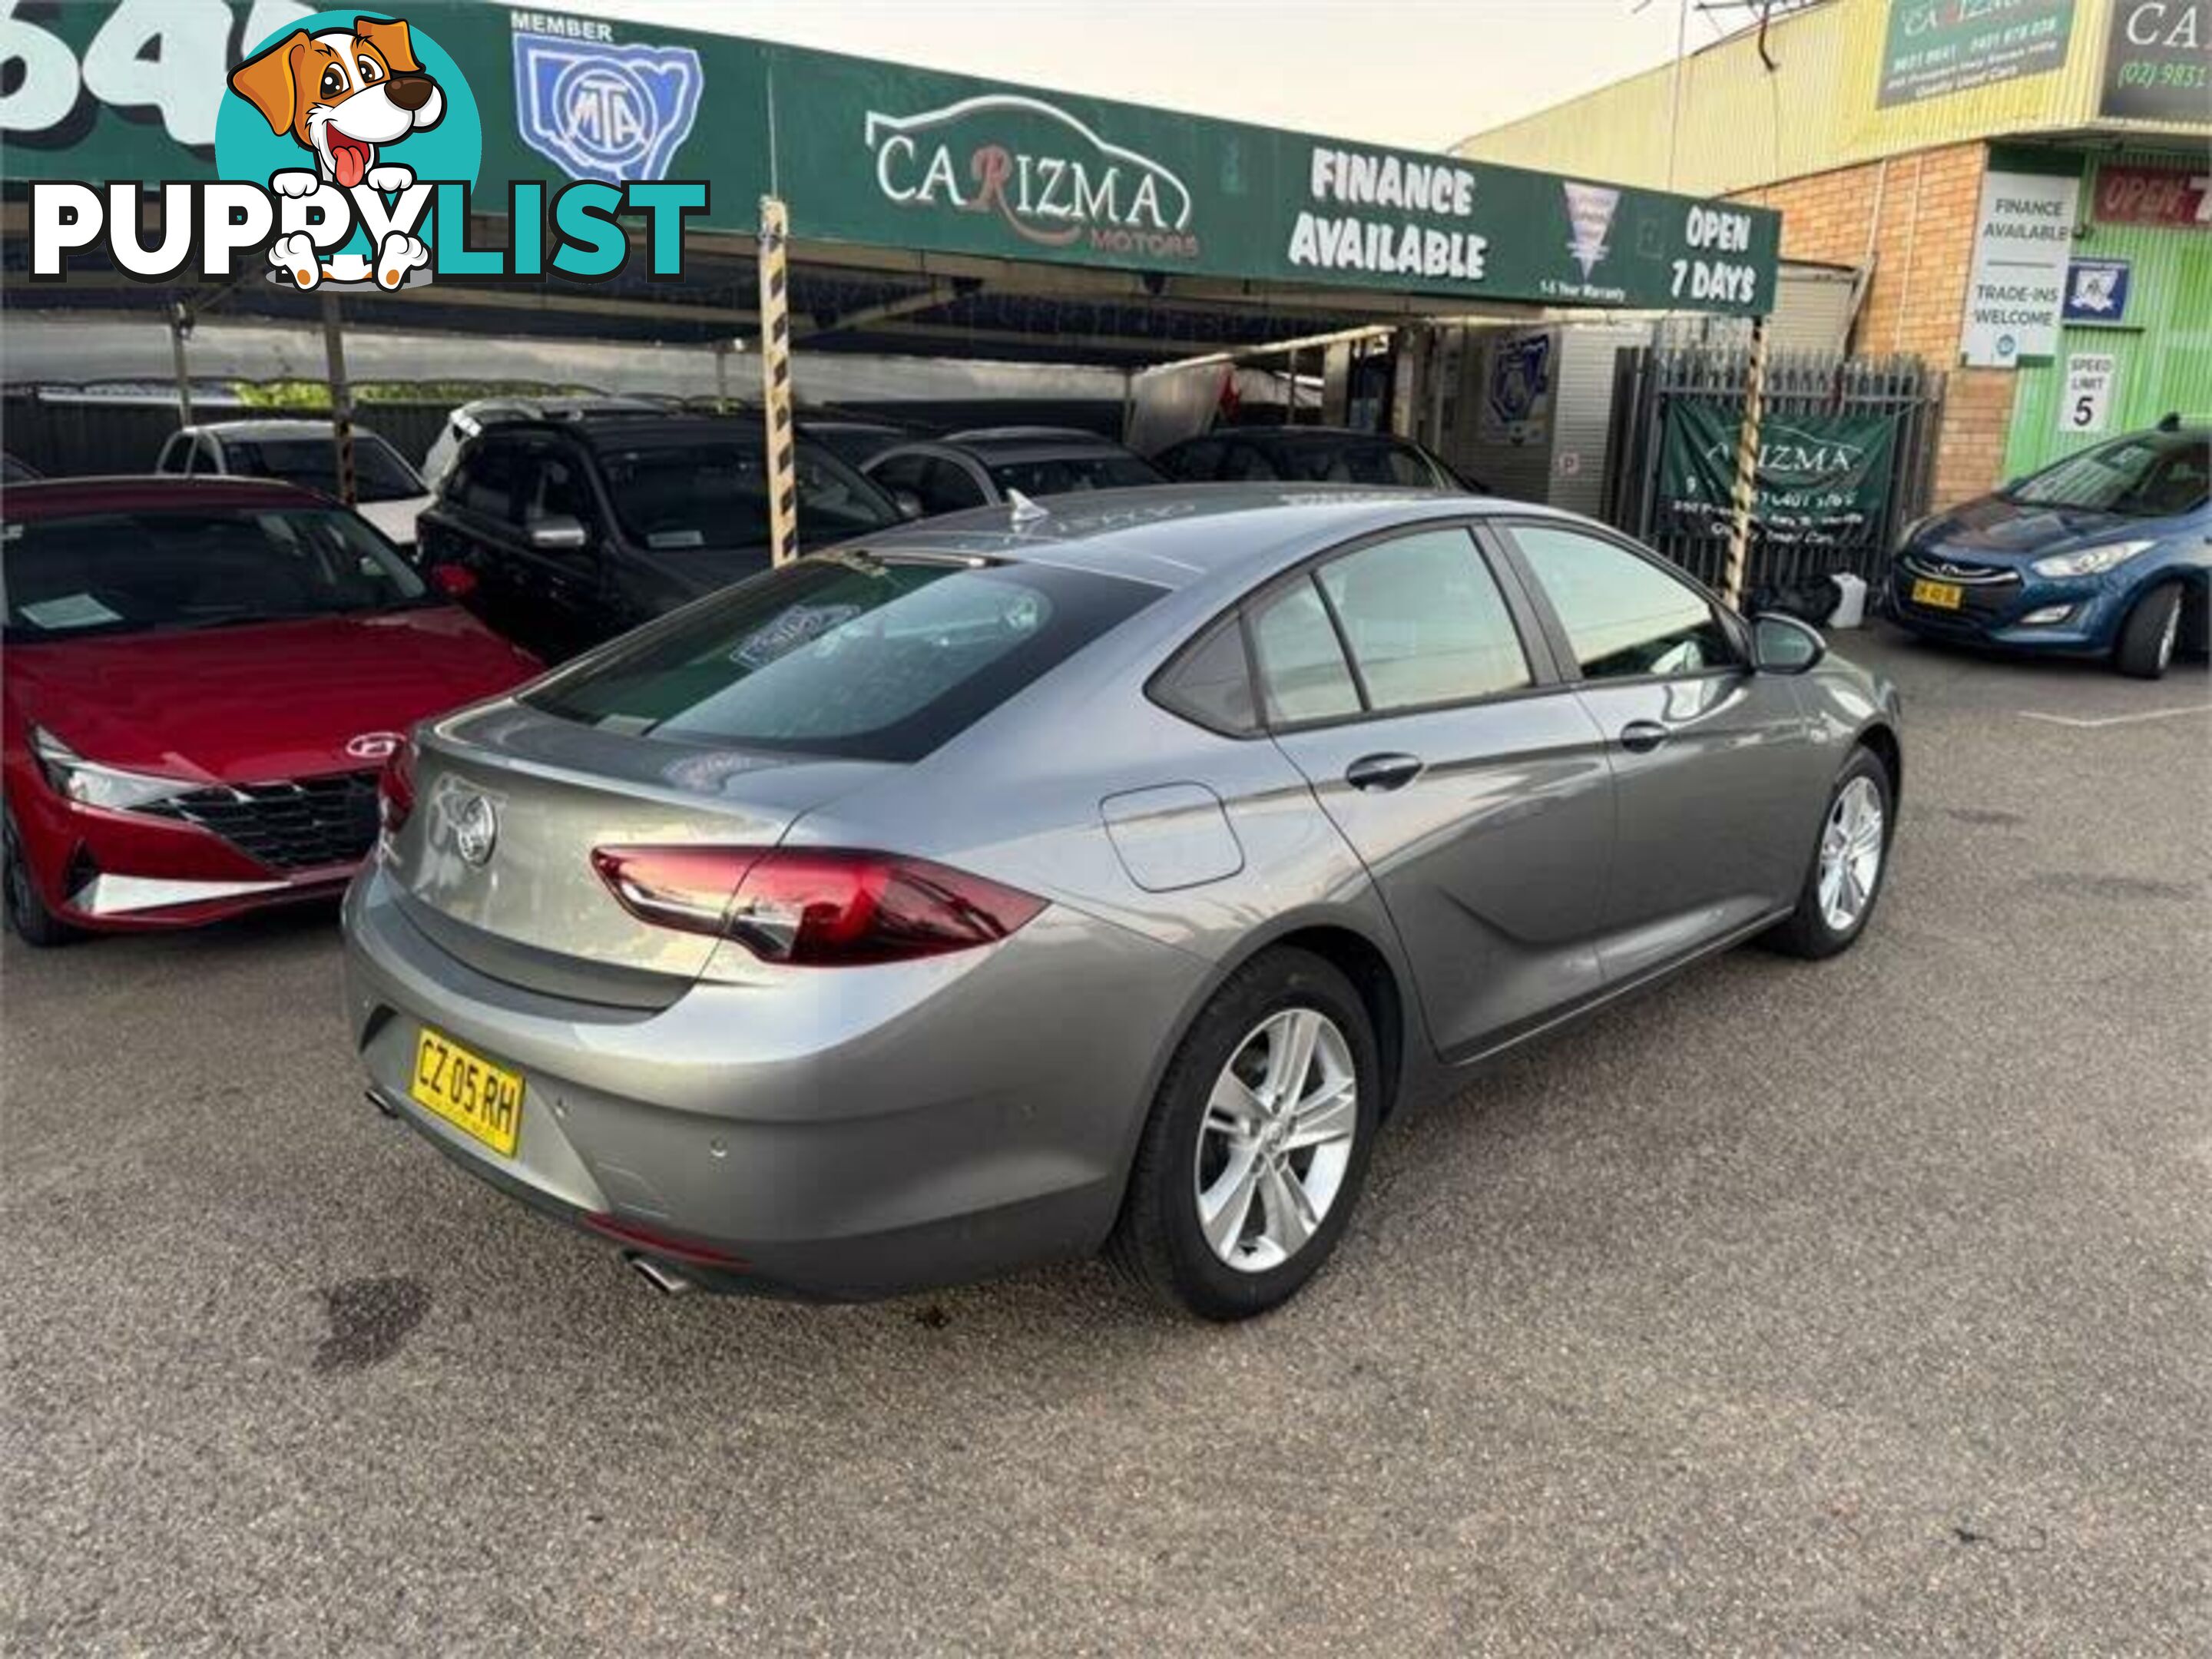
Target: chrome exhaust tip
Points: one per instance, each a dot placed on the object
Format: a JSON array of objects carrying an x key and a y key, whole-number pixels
[{"x": 659, "y": 1274}]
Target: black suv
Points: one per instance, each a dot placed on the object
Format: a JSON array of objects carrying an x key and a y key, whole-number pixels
[
  {"x": 1308, "y": 454},
  {"x": 563, "y": 533}
]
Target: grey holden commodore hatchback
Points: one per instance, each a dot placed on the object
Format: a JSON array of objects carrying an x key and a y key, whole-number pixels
[{"x": 1012, "y": 886}]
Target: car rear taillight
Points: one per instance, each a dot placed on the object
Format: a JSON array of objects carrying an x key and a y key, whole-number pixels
[
  {"x": 455, "y": 581},
  {"x": 815, "y": 906},
  {"x": 395, "y": 788}
]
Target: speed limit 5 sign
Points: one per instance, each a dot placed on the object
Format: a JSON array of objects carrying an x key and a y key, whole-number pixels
[{"x": 2087, "y": 403}]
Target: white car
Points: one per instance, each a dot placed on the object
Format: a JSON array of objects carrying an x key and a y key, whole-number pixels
[
  {"x": 388, "y": 491},
  {"x": 471, "y": 418}
]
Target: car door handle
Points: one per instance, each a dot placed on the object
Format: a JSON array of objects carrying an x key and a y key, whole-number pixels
[
  {"x": 1642, "y": 737},
  {"x": 1383, "y": 771}
]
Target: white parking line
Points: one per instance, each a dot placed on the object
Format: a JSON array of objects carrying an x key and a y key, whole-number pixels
[{"x": 2115, "y": 720}]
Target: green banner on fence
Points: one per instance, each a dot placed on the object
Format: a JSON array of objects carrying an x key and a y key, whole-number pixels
[{"x": 1823, "y": 479}]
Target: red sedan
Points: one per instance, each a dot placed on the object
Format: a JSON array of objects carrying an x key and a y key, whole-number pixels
[{"x": 203, "y": 680}]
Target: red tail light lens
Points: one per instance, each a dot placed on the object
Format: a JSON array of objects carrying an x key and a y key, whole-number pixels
[
  {"x": 815, "y": 906},
  {"x": 455, "y": 581},
  {"x": 395, "y": 788}
]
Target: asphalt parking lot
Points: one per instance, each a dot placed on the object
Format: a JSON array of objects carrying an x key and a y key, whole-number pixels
[{"x": 1864, "y": 1306}]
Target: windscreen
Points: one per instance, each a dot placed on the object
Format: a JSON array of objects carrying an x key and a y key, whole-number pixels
[
  {"x": 310, "y": 461},
  {"x": 714, "y": 493},
  {"x": 1065, "y": 474},
  {"x": 846, "y": 655},
  {"x": 2147, "y": 476},
  {"x": 129, "y": 572}
]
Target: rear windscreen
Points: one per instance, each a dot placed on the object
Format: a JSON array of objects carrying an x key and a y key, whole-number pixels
[{"x": 846, "y": 655}]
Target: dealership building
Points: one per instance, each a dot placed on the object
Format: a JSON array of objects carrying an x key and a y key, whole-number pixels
[{"x": 2019, "y": 192}]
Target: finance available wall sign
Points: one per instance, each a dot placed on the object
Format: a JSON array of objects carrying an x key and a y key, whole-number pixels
[{"x": 2023, "y": 238}]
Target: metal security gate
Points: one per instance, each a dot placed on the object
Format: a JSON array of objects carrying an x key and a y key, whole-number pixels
[{"x": 1822, "y": 411}]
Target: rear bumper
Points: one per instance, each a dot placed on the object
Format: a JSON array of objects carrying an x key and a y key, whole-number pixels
[{"x": 837, "y": 1133}]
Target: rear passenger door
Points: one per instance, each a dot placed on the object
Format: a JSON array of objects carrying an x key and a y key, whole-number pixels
[
  {"x": 1408, "y": 682},
  {"x": 1718, "y": 776}
]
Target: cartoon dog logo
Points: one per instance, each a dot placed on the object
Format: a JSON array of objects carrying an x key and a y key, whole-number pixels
[{"x": 343, "y": 96}]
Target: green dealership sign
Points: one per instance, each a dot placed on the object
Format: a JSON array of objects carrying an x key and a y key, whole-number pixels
[
  {"x": 881, "y": 155},
  {"x": 1936, "y": 47},
  {"x": 1823, "y": 480}
]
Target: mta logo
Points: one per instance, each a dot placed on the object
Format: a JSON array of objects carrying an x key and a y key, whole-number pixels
[{"x": 612, "y": 114}]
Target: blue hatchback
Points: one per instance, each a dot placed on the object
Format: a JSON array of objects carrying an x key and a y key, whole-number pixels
[{"x": 2107, "y": 553}]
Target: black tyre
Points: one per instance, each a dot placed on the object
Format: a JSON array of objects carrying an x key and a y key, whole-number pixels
[
  {"x": 2195, "y": 623},
  {"x": 1850, "y": 862},
  {"x": 1258, "y": 1142},
  {"x": 2149, "y": 636},
  {"x": 34, "y": 924}
]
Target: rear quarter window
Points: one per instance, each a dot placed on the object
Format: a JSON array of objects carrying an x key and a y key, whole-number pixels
[{"x": 1210, "y": 682}]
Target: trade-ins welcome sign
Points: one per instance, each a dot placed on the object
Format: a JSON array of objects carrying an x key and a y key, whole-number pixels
[
  {"x": 2023, "y": 239},
  {"x": 862, "y": 152}
]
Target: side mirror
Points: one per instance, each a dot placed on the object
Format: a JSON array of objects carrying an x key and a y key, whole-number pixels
[
  {"x": 909, "y": 503},
  {"x": 1783, "y": 645},
  {"x": 558, "y": 533}
]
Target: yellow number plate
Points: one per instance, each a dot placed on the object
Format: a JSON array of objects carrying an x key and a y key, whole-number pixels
[
  {"x": 475, "y": 1096},
  {"x": 1943, "y": 596}
]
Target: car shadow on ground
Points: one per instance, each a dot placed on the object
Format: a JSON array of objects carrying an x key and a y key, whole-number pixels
[{"x": 252, "y": 934}]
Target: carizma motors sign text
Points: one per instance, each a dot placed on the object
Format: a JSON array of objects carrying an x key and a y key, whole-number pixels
[{"x": 1051, "y": 179}]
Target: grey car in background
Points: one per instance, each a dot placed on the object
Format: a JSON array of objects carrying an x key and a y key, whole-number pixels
[
  {"x": 1012, "y": 886},
  {"x": 986, "y": 465}
]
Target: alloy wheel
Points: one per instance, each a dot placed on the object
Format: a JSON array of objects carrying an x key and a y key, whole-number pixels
[
  {"x": 1277, "y": 1139},
  {"x": 1851, "y": 854},
  {"x": 2168, "y": 636}
]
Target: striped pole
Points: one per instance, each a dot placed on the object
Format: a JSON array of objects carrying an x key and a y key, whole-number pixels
[
  {"x": 775, "y": 382},
  {"x": 340, "y": 399},
  {"x": 1747, "y": 463}
]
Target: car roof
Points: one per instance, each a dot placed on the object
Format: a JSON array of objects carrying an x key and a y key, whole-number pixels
[
  {"x": 1181, "y": 535},
  {"x": 525, "y": 408},
  {"x": 317, "y": 426},
  {"x": 635, "y": 430},
  {"x": 54, "y": 498},
  {"x": 1010, "y": 445},
  {"x": 988, "y": 434},
  {"x": 1297, "y": 435}
]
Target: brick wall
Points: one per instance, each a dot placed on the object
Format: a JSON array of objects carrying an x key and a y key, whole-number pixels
[{"x": 1919, "y": 210}]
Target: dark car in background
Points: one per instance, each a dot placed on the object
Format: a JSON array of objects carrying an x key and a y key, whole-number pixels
[
  {"x": 14, "y": 472},
  {"x": 561, "y": 534},
  {"x": 1308, "y": 454},
  {"x": 2106, "y": 553},
  {"x": 980, "y": 466},
  {"x": 468, "y": 419},
  {"x": 202, "y": 679},
  {"x": 855, "y": 442}
]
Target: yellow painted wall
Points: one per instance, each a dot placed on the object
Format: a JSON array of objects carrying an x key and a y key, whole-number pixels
[{"x": 1741, "y": 126}]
